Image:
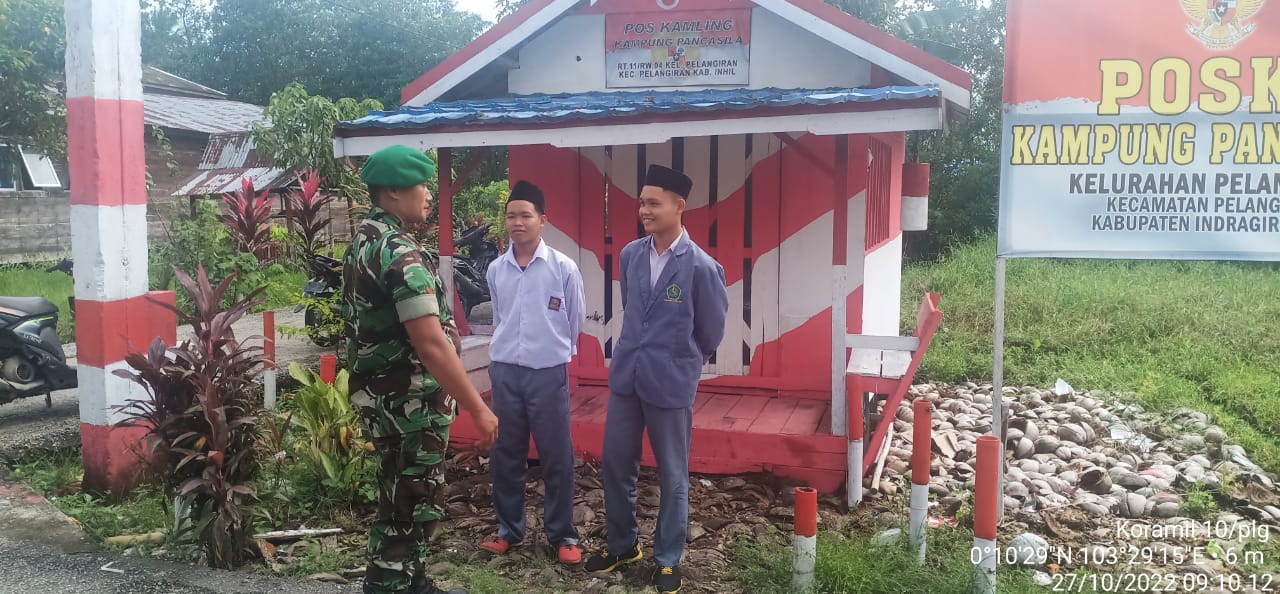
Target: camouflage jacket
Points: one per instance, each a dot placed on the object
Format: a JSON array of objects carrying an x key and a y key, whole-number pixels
[{"x": 386, "y": 281}]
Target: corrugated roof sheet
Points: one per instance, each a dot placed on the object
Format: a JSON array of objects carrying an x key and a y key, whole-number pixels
[
  {"x": 231, "y": 149},
  {"x": 563, "y": 107},
  {"x": 199, "y": 114},
  {"x": 219, "y": 181},
  {"x": 165, "y": 83},
  {"x": 229, "y": 157}
]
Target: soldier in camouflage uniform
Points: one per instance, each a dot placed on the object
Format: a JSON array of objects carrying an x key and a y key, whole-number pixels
[{"x": 405, "y": 369}]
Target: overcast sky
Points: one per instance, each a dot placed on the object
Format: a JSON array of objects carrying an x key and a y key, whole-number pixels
[{"x": 484, "y": 8}]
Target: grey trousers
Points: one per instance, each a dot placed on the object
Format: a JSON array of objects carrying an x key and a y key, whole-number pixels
[
  {"x": 532, "y": 402},
  {"x": 670, "y": 430}
]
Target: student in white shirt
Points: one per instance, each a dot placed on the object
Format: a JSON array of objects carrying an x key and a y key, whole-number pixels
[{"x": 538, "y": 310}]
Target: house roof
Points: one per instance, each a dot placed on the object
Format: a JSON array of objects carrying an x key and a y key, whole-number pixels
[
  {"x": 155, "y": 80},
  {"x": 641, "y": 117},
  {"x": 197, "y": 114},
  {"x": 858, "y": 37},
  {"x": 228, "y": 158},
  {"x": 537, "y": 109}
]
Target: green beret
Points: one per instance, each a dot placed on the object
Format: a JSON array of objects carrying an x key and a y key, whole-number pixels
[{"x": 398, "y": 166}]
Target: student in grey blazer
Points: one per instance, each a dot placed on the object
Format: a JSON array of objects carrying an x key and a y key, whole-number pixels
[{"x": 674, "y": 304}]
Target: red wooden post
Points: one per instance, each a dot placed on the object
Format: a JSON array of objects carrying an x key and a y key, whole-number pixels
[
  {"x": 853, "y": 398},
  {"x": 806, "y": 539},
  {"x": 839, "y": 288},
  {"x": 269, "y": 353},
  {"x": 269, "y": 338},
  {"x": 328, "y": 368},
  {"x": 987, "y": 500},
  {"x": 922, "y": 434},
  {"x": 921, "y": 442}
]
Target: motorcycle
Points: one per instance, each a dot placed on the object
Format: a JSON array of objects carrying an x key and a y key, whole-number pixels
[
  {"x": 31, "y": 358},
  {"x": 468, "y": 278},
  {"x": 470, "y": 269},
  {"x": 323, "y": 286}
]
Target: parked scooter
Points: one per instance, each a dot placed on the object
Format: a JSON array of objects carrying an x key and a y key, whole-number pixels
[
  {"x": 31, "y": 357},
  {"x": 468, "y": 278},
  {"x": 470, "y": 268},
  {"x": 324, "y": 284}
]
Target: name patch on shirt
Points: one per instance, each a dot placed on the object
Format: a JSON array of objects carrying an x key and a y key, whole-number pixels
[
  {"x": 554, "y": 304},
  {"x": 674, "y": 293}
]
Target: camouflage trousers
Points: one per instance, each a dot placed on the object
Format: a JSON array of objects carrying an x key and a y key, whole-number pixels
[{"x": 410, "y": 503}]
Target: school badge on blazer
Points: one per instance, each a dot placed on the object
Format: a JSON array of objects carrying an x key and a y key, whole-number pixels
[{"x": 674, "y": 293}]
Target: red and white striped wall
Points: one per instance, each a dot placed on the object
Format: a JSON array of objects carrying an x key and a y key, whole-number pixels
[
  {"x": 108, "y": 227},
  {"x": 764, "y": 206}
]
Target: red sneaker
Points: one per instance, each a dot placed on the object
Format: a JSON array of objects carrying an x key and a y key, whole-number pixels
[
  {"x": 570, "y": 554},
  {"x": 497, "y": 546}
]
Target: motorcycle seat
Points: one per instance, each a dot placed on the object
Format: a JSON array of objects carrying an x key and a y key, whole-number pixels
[{"x": 32, "y": 306}]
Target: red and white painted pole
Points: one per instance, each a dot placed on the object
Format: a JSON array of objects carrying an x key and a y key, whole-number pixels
[
  {"x": 921, "y": 442},
  {"x": 915, "y": 196},
  {"x": 108, "y": 229},
  {"x": 986, "y": 504},
  {"x": 853, "y": 484},
  {"x": 806, "y": 539},
  {"x": 269, "y": 352}
]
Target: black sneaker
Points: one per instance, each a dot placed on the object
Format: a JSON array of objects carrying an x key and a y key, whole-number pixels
[
  {"x": 667, "y": 579},
  {"x": 604, "y": 562}
]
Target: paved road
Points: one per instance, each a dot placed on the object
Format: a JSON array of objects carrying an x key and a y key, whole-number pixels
[{"x": 43, "y": 551}]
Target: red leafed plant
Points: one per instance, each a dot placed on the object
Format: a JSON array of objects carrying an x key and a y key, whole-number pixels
[
  {"x": 199, "y": 415},
  {"x": 307, "y": 209},
  {"x": 248, "y": 218}
]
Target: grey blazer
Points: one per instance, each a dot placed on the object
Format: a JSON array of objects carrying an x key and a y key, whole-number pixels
[{"x": 671, "y": 329}]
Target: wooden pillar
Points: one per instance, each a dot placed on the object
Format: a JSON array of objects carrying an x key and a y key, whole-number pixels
[
  {"x": 444, "y": 201},
  {"x": 839, "y": 287},
  {"x": 108, "y": 228}
]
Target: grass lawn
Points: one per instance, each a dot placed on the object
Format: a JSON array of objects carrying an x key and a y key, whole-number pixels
[
  {"x": 1204, "y": 335},
  {"x": 32, "y": 281},
  {"x": 848, "y": 564}
]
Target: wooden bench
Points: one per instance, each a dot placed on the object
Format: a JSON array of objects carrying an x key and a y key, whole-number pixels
[{"x": 882, "y": 365}]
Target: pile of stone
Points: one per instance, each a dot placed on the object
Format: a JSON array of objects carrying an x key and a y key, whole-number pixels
[{"x": 1100, "y": 453}]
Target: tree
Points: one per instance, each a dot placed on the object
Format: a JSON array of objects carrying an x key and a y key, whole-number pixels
[
  {"x": 335, "y": 48},
  {"x": 965, "y": 161},
  {"x": 299, "y": 135},
  {"x": 175, "y": 35},
  {"x": 32, "y": 82}
]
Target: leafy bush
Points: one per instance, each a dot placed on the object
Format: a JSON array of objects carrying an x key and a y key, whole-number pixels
[
  {"x": 196, "y": 238},
  {"x": 248, "y": 219},
  {"x": 199, "y": 417},
  {"x": 324, "y": 322},
  {"x": 193, "y": 237},
  {"x": 328, "y": 432},
  {"x": 307, "y": 208}
]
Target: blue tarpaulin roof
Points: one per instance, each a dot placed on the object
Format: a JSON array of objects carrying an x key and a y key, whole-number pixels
[{"x": 538, "y": 109}]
